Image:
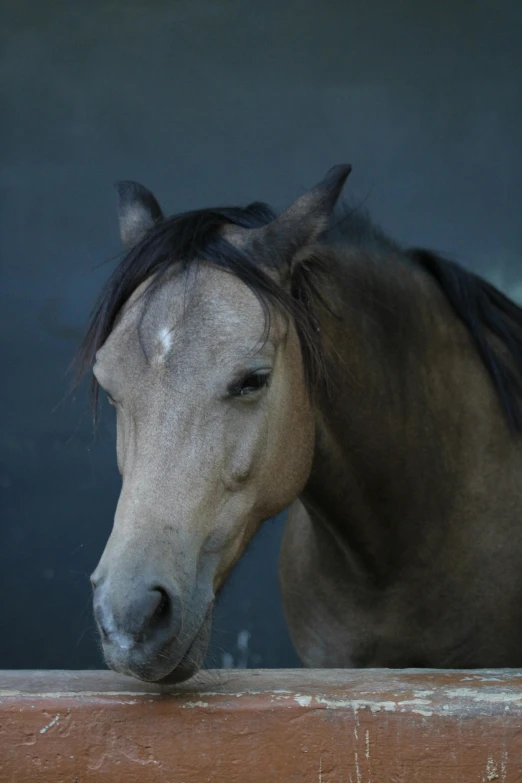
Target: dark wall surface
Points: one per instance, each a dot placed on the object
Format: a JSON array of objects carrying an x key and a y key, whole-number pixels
[{"x": 211, "y": 102}]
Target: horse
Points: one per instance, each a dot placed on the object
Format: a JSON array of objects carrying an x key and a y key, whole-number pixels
[{"x": 305, "y": 361}]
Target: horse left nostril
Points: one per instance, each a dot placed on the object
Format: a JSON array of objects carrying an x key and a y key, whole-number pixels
[
  {"x": 167, "y": 614},
  {"x": 162, "y": 609},
  {"x": 151, "y": 615}
]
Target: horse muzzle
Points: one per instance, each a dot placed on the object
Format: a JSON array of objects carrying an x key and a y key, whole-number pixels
[{"x": 147, "y": 634}]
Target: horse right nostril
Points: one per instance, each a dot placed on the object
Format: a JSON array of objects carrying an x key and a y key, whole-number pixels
[{"x": 100, "y": 619}]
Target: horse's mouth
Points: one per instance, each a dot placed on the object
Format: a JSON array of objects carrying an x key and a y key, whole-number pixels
[
  {"x": 192, "y": 659},
  {"x": 164, "y": 668}
]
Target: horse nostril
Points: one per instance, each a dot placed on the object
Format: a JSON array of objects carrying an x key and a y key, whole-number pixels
[
  {"x": 162, "y": 609},
  {"x": 148, "y": 615},
  {"x": 96, "y": 578},
  {"x": 167, "y": 615},
  {"x": 100, "y": 619}
]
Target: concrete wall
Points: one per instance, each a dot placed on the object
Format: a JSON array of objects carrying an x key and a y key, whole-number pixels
[{"x": 211, "y": 102}]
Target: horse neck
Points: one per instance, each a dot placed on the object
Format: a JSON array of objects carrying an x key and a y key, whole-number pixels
[{"x": 391, "y": 431}]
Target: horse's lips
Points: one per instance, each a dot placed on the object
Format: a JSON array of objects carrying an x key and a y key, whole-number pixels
[{"x": 187, "y": 665}]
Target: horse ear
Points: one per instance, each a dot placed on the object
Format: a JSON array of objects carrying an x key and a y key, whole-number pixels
[
  {"x": 295, "y": 228},
  {"x": 138, "y": 211}
]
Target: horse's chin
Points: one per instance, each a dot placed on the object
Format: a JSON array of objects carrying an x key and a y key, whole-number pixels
[
  {"x": 184, "y": 671},
  {"x": 192, "y": 660}
]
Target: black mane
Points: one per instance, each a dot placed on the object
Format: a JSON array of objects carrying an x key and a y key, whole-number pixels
[
  {"x": 487, "y": 313},
  {"x": 188, "y": 237}
]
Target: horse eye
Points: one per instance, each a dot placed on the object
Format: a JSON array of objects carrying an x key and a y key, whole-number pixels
[
  {"x": 250, "y": 384},
  {"x": 111, "y": 400}
]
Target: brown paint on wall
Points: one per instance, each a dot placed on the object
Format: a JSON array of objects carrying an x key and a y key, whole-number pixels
[{"x": 323, "y": 726}]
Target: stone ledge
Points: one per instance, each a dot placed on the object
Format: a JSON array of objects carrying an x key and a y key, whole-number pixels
[{"x": 250, "y": 726}]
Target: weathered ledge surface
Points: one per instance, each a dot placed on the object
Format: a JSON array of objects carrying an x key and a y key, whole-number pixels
[{"x": 254, "y": 726}]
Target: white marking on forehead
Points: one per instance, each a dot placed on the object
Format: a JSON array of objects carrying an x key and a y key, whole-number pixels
[{"x": 165, "y": 342}]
